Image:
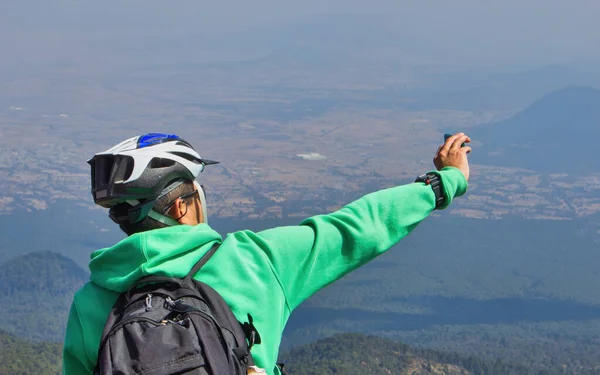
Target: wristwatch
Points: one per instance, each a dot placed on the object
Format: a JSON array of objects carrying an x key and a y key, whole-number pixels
[{"x": 435, "y": 182}]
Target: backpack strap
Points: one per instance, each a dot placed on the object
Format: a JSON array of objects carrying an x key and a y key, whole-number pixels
[
  {"x": 202, "y": 262},
  {"x": 249, "y": 329},
  {"x": 173, "y": 280}
]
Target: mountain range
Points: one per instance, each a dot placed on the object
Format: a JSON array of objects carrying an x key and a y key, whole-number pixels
[
  {"x": 556, "y": 134},
  {"x": 516, "y": 289}
]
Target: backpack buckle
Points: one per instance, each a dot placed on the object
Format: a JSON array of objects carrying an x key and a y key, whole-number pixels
[{"x": 251, "y": 332}]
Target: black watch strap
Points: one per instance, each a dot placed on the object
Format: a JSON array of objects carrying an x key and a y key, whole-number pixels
[{"x": 435, "y": 182}]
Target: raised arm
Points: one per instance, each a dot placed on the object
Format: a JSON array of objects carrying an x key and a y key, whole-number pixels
[{"x": 323, "y": 248}]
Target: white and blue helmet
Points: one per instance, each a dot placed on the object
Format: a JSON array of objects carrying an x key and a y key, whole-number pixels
[{"x": 141, "y": 169}]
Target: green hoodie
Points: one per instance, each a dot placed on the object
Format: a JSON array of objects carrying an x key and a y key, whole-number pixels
[{"x": 267, "y": 274}]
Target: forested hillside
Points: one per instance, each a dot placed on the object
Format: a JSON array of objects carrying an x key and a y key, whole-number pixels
[
  {"x": 357, "y": 354},
  {"x": 40, "y": 288},
  {"x": 20, "y": 357}
]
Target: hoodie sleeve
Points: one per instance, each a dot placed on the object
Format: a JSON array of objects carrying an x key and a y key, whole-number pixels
[
  {"x": 323, "y": 248},
  {"x": 74, "y": 347}
]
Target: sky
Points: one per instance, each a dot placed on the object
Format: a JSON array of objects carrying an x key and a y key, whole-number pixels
[{"x": 457, "y": 32}]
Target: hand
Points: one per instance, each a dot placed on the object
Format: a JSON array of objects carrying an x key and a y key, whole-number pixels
[{"x": 451, "y": 154}]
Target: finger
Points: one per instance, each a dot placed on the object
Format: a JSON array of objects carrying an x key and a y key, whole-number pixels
[
  {"x": 466, "y": 149},
  {"x": 449, "y": 142},
  {"x": 458, "y": 142}
]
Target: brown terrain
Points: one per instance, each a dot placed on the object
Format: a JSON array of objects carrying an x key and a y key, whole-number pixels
[{"x": 277, "y": 158}]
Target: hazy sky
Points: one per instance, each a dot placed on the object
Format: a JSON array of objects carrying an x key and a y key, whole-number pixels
[{"x": 469, "y": 31}]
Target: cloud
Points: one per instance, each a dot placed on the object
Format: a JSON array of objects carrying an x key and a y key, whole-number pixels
[{"x": 312, "y": 156}]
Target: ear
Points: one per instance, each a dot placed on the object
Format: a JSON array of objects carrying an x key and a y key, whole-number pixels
[{"x": 178, "y": 210}]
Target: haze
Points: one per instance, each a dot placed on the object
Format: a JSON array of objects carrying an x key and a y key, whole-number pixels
[{"x": 463, "y": 32}]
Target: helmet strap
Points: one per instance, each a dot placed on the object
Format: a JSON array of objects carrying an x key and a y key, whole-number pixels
[
  {"x": 153, "y": 214},
  {"x": 162, "y": 218}
]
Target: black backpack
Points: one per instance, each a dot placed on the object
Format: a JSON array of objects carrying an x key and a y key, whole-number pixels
[{"x": 169, "y": 325}]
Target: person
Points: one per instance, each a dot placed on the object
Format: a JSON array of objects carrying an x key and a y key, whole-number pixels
[{"x": 149, "y": 185}]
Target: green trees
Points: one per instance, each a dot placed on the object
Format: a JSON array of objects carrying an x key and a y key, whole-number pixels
[
  {"x": 40, "y": 288},
  {"x": 20, "y": 357},
  {"x": 357, "y": 354}
]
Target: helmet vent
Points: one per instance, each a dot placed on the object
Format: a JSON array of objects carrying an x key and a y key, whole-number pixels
[
  {"x": 181, "y": 142},
  {"x": 128, "y": 169},
  {"x": 186, "y": 156},
  {"x": 161, "y": 163},
  {"x": 102, "y": 169}
]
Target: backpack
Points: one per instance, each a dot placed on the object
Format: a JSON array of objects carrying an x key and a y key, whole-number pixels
[{"x": 165, "y": 325}]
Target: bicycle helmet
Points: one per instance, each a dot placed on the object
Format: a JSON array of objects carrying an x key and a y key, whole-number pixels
[{"x": 140, "y": 170}]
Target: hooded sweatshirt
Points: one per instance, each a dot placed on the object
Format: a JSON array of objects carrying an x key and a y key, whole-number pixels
[{"x": 266, "y": 274}]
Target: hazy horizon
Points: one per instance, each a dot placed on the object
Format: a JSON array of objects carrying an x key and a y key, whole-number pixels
[{"x": 464, "y": 32}]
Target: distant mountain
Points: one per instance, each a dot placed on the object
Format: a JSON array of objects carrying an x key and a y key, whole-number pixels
[
  {"x": 557, "y": 134},
  {"x": 18, "y": 356},
  {"x": 357, "y": 354},
  {"x": 40, "y": 288},
  {"x": 478, "y": 91}
]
